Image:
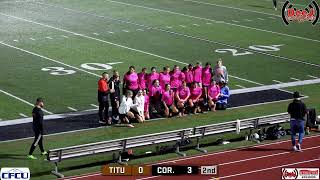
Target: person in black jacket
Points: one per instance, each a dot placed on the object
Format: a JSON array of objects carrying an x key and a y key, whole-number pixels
[
  {"x": 37, "y": 125},
  {"x": 297, "y": 110},
  {"x": 114, "y": 84}
]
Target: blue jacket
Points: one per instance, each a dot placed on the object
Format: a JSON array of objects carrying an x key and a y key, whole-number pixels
[{"x": 225, "y": 94}]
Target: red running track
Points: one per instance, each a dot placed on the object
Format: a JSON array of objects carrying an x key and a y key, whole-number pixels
[{"x": 263, "y": 162}]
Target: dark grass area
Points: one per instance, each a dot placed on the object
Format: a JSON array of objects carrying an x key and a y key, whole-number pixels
[{"x": 90, "y": 121}]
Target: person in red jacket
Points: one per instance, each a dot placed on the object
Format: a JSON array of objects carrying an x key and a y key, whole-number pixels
[{"x": 103, "y": 93}]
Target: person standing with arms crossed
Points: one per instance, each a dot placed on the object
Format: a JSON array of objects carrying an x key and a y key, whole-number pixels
[
  {"x": 103, "y": 92},
  {"x": 297, "y": 110},
  {"x": 37, "y": 126}
]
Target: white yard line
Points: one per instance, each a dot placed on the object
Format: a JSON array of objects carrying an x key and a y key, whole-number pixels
[
  {"x": 240, "y": 86},
  {"x": 248, "y": 20},
  {"x": 243, "y": 79},
  {"x": 140, "y": 30},
  {"x": 22, "y": 100},
  {"x": 49, "y": 37},
  {"x": 295, "y": 79},
  {"x": 183, "y": 26},
  {"x": 277, "y": 81},
  {"x": 110, "y": 32},
  {"x": 235, "y": 21},
  {"x": 215, "y": 21},
  {"x": 15, "y": 40},
  {"x": 184, "y": 35},
  {"x": 32, "y": 39},
  {"x": 313, "y": 76},
  {"x": 65, "y": 36},
  {"x": 196, "y": 24},
  {"x": 47, "y": 58},
  {"x": 169, "y": 27},
  {"x": 125, "y": 31},
  {"x": 23, "y": 115},
  {"x": 72, "y": 109},
  {"x": 230, "y": 7},
  {"x": 95, "y": 34},
  {"x": 93, "y": 105},
  {"x": 272, "y": 17}
]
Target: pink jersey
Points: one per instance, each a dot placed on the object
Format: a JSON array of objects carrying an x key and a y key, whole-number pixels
[
  {"x": 189, "y": 77},
  {"x": 155, "y": 91},
  {"x": 176, "y": 79},
  {"x": 151, "y": 77},
  {"x": 142, "y": 80},
  {"x": 131, "y": 81},
  {"x": 195, "y": 93},
  {"x": 146, "y": 103},
  {"x": 206, "y": 76},
  {"x": 213, "y": 91},
  {"x": 183, "y": 92},
  {"x": 164, "y": 79},
  {"x": 197, "y": 74},
  {"x": 167, "y": 97}
]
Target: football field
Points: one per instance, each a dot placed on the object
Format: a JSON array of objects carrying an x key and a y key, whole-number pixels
[{"x": 57, "y": 49}]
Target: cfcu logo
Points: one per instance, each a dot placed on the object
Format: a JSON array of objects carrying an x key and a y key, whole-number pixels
[
  {"x": 310, "y": 13},
  {"x": 300, "y": 173},
  {"x": 14, "y": 173}
]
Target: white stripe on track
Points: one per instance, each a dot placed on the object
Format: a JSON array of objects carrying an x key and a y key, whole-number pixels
[
  {"x": 215, "y": 21},
  {"x": 22, "y": 100},
  {"x": 270, "y": 168},
  {"x": 193, "y": 157}
]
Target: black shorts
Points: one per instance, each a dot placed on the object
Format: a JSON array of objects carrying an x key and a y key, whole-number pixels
[{"x": 134, "y": 111}]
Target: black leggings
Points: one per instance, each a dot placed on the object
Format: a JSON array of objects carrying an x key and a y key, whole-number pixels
[
  {"x": 37, "y": 140},
  {"x": 103, "y": 107}
]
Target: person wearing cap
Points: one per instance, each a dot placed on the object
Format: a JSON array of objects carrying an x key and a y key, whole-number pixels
[
  {"x": 103, "y": 93},
  {"x": 297, "y": 110},
  {"x": 37, "y": 125}
]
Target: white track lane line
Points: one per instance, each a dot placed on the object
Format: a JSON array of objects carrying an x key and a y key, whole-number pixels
[
  {"x": 230, "y": 7},
  {"x": 215, "y": 21},
  {"x": 72, "y": 109},
  {"x": 22, "y": 100},
  {"x": 266, "y": 169},
  {"x": 198, "y": 156}
]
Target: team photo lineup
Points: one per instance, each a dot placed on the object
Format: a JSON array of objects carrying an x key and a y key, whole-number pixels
[{"x": 159, "y": 89}]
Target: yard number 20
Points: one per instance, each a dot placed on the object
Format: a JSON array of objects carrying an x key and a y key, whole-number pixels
[{"x": 260, "y": 48}]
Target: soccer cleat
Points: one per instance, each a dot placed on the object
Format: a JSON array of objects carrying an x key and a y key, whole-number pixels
[
  {"x": 44, "y": 153},
  {"x": 31, "y": 157},
  {"x": 294, "y": 148}
]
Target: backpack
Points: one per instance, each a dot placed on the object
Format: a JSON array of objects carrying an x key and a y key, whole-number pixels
[{"x": 275, "y": 132}]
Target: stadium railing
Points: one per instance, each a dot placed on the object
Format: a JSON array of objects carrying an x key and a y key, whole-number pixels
[{"x": 121, "y": 145}]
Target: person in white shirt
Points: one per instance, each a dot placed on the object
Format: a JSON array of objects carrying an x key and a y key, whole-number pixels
[
  {"x": 125, "y": 109},
  {"x": 139, "y": 101}
]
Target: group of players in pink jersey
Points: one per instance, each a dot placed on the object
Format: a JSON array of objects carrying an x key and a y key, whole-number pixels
[{"x": 173, "y": 92}]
